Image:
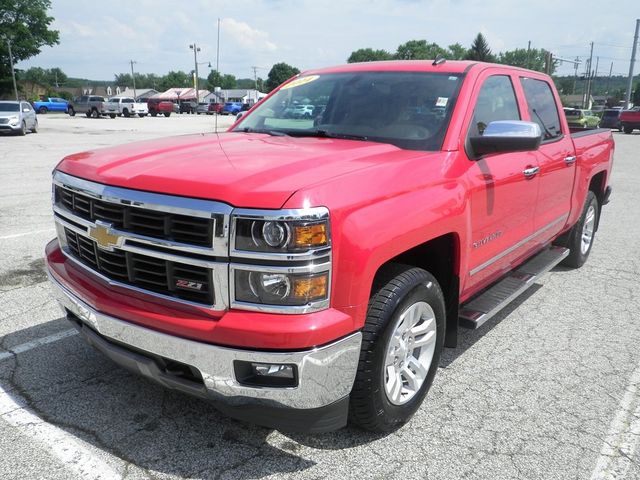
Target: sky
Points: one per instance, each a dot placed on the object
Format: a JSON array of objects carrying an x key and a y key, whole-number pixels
[{"x": 98, "y": 39}]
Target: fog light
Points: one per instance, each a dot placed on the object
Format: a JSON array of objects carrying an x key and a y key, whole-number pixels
[{"x": 266, "y": 374}]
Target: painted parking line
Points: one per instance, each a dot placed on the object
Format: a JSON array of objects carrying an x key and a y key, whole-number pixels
[
  {"x": 24, "y": 234},
  {"x": 25, "y": 347},
  {"x": 621, "y": 444},
  {"x": 75, "y": 454}
]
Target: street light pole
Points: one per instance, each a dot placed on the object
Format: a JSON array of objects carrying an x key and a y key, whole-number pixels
[
  {"x": 196, "y": 49},
  {"x": 133, "y": 76},
  {"x": 13, "y": 73}
]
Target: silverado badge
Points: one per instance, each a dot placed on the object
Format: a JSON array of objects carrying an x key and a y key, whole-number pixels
[{"x": 103, "y": 237}]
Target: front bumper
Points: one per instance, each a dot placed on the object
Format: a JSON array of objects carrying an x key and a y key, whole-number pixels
[{"x": 318, "y": 403}]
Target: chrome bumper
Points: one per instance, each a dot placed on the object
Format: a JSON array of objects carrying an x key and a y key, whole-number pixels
[{"x": 325, "y": 374}]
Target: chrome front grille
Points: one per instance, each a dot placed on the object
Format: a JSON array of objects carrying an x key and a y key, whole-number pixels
[
  {"x": 179, "y": 280},
  {"x": 172, "y": 227},
  {"x": 167, "y": 246}
]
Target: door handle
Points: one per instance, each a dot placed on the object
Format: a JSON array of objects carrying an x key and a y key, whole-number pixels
[
  {"x": 570, "y": 160},
  {"x": 531, "y": 171}
]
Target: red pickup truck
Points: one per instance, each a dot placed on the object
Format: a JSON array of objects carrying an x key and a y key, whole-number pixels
[
  {"x": 303, "y": 272},
  {"x": 630, "y": 120},
  {"x": 159, "y": 107}
]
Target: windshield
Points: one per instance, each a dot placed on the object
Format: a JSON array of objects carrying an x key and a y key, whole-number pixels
[
  {"x": 9, "y": 107},
  {"x": 408, "y": 109}
]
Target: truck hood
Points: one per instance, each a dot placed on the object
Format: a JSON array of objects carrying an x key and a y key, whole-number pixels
[{"x": 241, "y": 169}]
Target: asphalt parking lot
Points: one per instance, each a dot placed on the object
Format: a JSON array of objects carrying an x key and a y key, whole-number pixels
[{"x": 549, "y": 389}]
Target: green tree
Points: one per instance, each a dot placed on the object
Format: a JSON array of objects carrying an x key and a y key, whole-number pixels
[
  {"x": 125, "y": 80},
  {"x": 56, "y": 77},
  {"x": 25, "y": 24},
  {"x": 279, "y": 73},
  {"x": 214, "y": 79},
  {"x": 456, "y": 52},
  {"x": 480, "y": 50},
  {"x": 636, "y": 95},
  {"x": 228, "y": 81},
  {"x": 534, "y": 59},
  {"x": 419, "y": 50},
  {"x": 368, "y": 55},
  {"x": 173, "y": 79}
]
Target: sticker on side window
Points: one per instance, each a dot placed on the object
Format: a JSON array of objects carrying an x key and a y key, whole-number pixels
[
  {"x": 442, "y": 102},
  {"x": 300, "y": 81}
]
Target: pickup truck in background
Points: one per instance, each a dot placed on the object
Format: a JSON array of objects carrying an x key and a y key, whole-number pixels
[
  {"x": 163, "y": 107},
  {"x": 630, "y": 120},
  {"x": 303, "y": 272},
  {"x": 92, "y": 106},
  {"x": 126, "y": 106},
  {"x": 53, "y": 104}
]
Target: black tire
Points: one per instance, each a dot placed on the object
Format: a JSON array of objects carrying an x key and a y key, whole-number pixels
[
  {"x": 112, "y": 115},
  {"x": 35, "y": 127},
  {"x": 43, "y": 110},
  {"x": 627, "y": 129},
  {"x": 142, "y": 115},
  {"x": 153, "y": 114},
  {"x": 23, "y": 130},
  {"x": 578, "y": 253},
  {"x": 395, "y": 290},
  {"x": 167, "y": 114},
  {"x": 88, "y": 114},
  {"x": 94, "y": 113},
  {"x": 71, "y": 111},
  {"x": 125, "y": 112}
]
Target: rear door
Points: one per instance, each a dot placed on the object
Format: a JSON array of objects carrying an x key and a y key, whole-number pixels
[
  {"x": 556, "y": 159},
  {"x": 502, "y": 194}
]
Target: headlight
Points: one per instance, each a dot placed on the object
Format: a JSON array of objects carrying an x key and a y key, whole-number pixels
[
  {"x": 281, "y": 233},
  {"x": 280, "y": 260},
  {"x": 284, "y": 289}
]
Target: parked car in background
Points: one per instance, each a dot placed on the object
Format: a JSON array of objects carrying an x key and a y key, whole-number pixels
[
  {"x": 188, "y": 107},
  {"x": 17, "y": 117},
  {"x": 126, "y": 106},
  {"x": 630, "y": 119},
  {"x": 53, "y": 104},
  {"x": 157, "y": 106},
  {"x": 578, "y": 118},
  {"x": 92, "y": 106},
  {"x": 611, "y": 118},
  {"x": 231, "y": 108},
  {"x": 214, "y": 108},
  {"x": 203, "y": 107}
]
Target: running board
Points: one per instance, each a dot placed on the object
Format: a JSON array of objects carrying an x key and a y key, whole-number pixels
[{"x": 477, "y": 311}]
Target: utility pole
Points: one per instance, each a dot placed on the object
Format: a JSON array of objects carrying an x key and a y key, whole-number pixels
[
  {"x": 548, "y": 61},
  {"x": 13, "y": 73},
  {"x": 633, "y": 60},
  {"x": 594, "y": 77},
  {"x": 587, "y": 87},
  {"x": 575, "y": 74},
  {"x": 528, "y": 52},
  {"x": 218, "y": 50},
  {"x": 133, "y": 77},
  {"x": 609, "y": 79},
  {"x": 255, "y": 77},
  {"x": 195, "y": 49}
]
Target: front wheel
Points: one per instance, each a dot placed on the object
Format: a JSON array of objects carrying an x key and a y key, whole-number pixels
[
  {"x": 581, "y": 236},
  {"x": 23, "y": 129},
  {"x": 167, "y": 114},
  {"x": 94, "y": 113},
  {"x": 402, "y": 340},
  {"x": 71, "y": 111},
  {"x": 35, "y": 126},
  {"x": 627, "y": 129},
  {"x": 112, "y": 115}
]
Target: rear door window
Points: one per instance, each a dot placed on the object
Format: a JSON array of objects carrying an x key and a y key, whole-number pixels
[{"x": 542, "y": 107}]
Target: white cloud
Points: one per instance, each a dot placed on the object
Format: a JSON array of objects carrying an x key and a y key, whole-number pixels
[{"x": 247, "y": 36}]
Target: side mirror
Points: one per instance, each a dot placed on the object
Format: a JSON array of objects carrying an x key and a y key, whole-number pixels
[
  {"x": 239, "y": 115},
  {"x": 26, "y": 110},
  {"x": 507, "y": 136}
]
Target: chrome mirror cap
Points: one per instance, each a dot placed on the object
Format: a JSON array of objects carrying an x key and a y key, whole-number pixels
[
  {"x": 504, "y": 136},
  {"x": 513, "y": 128}
]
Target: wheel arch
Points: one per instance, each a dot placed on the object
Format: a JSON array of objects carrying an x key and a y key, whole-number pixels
[
  {"x": 439, "y": 256},
  {"x": 597, "y": 185}
]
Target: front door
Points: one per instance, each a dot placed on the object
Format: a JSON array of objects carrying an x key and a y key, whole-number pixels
[{"x": 502, "y": 190}]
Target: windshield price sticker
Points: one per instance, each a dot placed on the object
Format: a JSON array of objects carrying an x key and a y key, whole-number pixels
[
  {"x": 442, "y": 102},
  {"x": 300, "y": 81}
]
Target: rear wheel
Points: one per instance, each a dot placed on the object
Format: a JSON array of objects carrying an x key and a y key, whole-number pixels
[
  {"x": 112, "y": 115},
  {"x": 402, "y": 341},
  {"x": 94, "y": 113},
  {"x": 167, "y": 114},
  {"x": 88, "y": 114},
  {"x": 23, "y": 129},
  {"x": 627, "y": 129},
  {"x": 581, "y": 236},
  {"x": 42, "y": 110},
  {"x": 71, "y": 111},
  {"x": 125, "y": 112},
  {"x": 34, "y": 129}
]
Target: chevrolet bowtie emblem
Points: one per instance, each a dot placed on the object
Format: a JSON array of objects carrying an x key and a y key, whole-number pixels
[{"x": 106, "y": 240}]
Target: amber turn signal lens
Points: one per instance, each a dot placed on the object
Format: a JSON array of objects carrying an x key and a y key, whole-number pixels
[
  {"x": 310, "y": 235},
  {"x": 310, "y": 288}
]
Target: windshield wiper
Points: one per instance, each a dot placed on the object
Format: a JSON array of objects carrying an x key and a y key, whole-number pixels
[
  {"x": 327, "y": 134},
  {"x": 273, "y": 133}
]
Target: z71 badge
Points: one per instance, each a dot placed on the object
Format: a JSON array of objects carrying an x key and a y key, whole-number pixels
[{"x": 189, "y": 285}]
